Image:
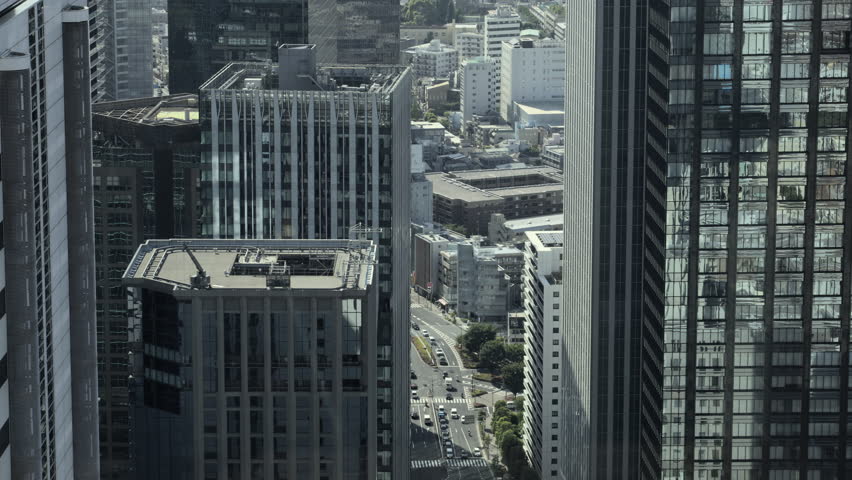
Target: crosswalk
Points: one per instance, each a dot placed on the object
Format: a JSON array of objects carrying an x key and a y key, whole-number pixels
[
  {"x": 454, "y": 462},
  {"x": 441, "y": 401}
]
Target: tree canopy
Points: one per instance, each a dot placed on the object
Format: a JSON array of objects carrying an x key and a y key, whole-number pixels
[
  {"x": 476, "y": 336},
  {"x": 428, "y": 12},
  {"x": 513, "y": 377}
]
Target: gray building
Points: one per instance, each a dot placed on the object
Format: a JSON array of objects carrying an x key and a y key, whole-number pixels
[
  {"x": 362, "y": 33},
  {"x": 48, "y": 357},
  {"x": 146, "y": 157},
  {"x": 479, "y": 282},
  {"x": 427, "y": 261},
  {"x": 514, "y": 231},
  {"x": 615, "y": 239},
  {"x": 256, "y": 359},
  {"x": 757, "y": 298},
  {"x": 326, "y": 160},
  {"x": 122, "y": 55}
]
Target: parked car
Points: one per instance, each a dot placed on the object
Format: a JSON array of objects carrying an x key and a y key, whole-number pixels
[
  {"x": 414, "y": 396},
  {"x": 444, "y": 426},
  {"x": 413, "y": 376},
  {"x": 414, "y": 386},
  {"x": 445, "y": 434}
]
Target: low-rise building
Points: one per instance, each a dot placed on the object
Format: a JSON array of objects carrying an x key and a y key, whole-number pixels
[
  {"x": 513, "y": 232},
  {"x": 538, "y": 114},
  {"x": 431, "y": 136},
  {"x": 468, "y": 198},
  {"x": 434, "y": 59},
  {"x": 553, "y": 156},
  {"x": 542, "y": 285}
]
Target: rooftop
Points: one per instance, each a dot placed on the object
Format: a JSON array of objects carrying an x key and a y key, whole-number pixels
[
  {"x": 547, "y": 239},
  {"x": 174, "y": 265},
  {"x": 426, "y": 126},
  {"x": 542, "y": 108},
  {"x": 495, "y": 184},
  {"x": 171, "y": 110},
  {"x": 522, "y": 224}
]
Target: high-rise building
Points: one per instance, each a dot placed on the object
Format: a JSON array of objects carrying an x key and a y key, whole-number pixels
[
  {"x": 121, "y": 49},
  {"x": 500, "y": 25},
  {"x": 479, "y": 85},
  {"x": 206, "y": 35},
  {"x": 256, "y": 359},
  {"x": 362, "y": 33},
  {"x": 757, "y": 295},
  {"x": 297, "y": 150},
  {"x": 146, "y": 157},
  {"x": 542, "y": 301},
  {"x": 532, "y": 72},
  {"x": 48, "y": 357},
  {"x": 615, "y": 167}
]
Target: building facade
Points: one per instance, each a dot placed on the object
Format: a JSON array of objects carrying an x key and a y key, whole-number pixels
[
  {"x": 326, "y": 156},
  {"x": 480, "y": 282},
  {"x": 147, "y": 163},
  {"x": 469, "y": 45},
  {"x": 206, "y": 35},
  {"x": 542, "y": 297},
  {"x": 360, "y": 33},
  {"x": 256, "y": 359},
  {"x": 757, "y": 258},
  {"x": 48, "y": 356},
  {"x": 532, "y": 71},
  {"x": 479, "y": 80},
  {"x": 434, "y": 60},
  {"x": 122, "y": 52},
  {"x": 615, "y": 164},
  {"x": 500, "y": 25}
]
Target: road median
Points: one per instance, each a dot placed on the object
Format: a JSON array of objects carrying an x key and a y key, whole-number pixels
[{"x": 424, "y": 350}]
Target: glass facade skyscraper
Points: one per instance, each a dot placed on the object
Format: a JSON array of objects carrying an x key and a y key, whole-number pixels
[
  {"x": 355, "y": 31},
  {"x": 757, "y": 241}
]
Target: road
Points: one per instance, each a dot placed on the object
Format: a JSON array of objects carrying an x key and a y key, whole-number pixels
[{"x": 428, "y": 448}]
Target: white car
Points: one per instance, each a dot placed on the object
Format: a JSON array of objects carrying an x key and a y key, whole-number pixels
[
  {"x": 440, "y": 408},
  {"x": 449, "y": 452},
  {"x": 477, "y": 452},
  {"x": 454, "y": 413}
]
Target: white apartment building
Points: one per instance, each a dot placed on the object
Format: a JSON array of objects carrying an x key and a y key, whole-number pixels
[
  {"x": 479, "y": 87},
  {"x": 542, "y": 279},
  {"x": 532, "y": 71},
  {"x": 469, "y": 45},
  {"x": 500, "y": 26},
  {"x": 434, "y": 59}
]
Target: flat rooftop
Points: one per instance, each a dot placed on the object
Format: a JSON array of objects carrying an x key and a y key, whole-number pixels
[
  {"x": 264, "y": 76},
  {"x": 495, "y": 184},
  {"x": 170, "y": 110},
  {"x": 331, "y": 265},
  {"x": 521, "y": 224}
]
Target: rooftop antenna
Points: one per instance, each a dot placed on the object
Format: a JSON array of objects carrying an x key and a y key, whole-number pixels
[{"x": 200, "y": 280}]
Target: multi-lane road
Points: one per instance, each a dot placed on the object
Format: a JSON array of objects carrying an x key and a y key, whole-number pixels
[{"x": 429, "y": 444}]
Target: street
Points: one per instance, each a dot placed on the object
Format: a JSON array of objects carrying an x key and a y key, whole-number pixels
[{"x": 428, "y": 443}]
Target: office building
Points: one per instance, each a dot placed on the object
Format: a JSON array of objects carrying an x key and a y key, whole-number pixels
[
  {"x": 326, "y": 154},
  {"x": 469, "y": 45},
  {"x": 122, "y": 52},
  {"x": 147, "y": 163},
  {"x": 434, "y": 60},
  {"x": 615, "y": 164},
  {"x": 206, "y": 35},
  {"x": 532, "y": 72},
  {"x": 481, "y": 282},
  {"x": 502, "y": 231},
  {"x": 757, "y": 256},
  {"x": 479, "y": 80},
  {"x": 421, "y": 188},
  {"x": 427, "y": 260},
  {"x": 360, "y": 33},
  {"x": 542, "y": 292},
  {"x": 468, "y": 198},
  {"x": 500, "y": 25},
  {"x": 256, "y": 359},
  {"x": 48, "y": 356}
]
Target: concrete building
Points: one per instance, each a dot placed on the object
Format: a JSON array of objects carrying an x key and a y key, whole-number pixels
[
  {"x": 469, "y": 45},
  {"x": 147, "y": 164},
  {"x": 530, "y": 115},
  {"x": 122, "y": 52},
  {"x": 431, "y": 135},
  {"x": 479, "y": 80},
  {"x": 532, "y": 71},
  {"x": 328, "y": 157},
  {"x": 421, "y": 189},
  {"x": 543, "y": 358},
  {"x": 48, "y": 355},
  {"x": 553, "y": 156},
  {"x": 468, "y": 198},
  {"x": 434, "y": 59},
  {"x": 515, "y": 327},
  {"x": 500, "y": 25},
  {"x": 359, "y": 33},
  {"x": 427, "y": 261},
  {"x": 479, "y": 282},
  {"x": 256, "y": 359},
  {"x": 513, "y": 232}
]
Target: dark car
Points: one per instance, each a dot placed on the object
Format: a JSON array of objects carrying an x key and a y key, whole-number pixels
[
  {"x": 413, "y": 376},
  {"x": 415, "y": 326},
  {"x": 449, "y": 396},
  {"x": 444, "y": 374},
  {"x": 415, "y": 415}
]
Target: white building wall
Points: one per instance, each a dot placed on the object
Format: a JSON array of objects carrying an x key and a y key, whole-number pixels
[
  {"x": 469, "y": 45},
  {"x": 478, "y": 87},
  {"x": 500, "y": 26},
  {"x": 434, "y": 60},
  {"x": 531, "y": 71}
]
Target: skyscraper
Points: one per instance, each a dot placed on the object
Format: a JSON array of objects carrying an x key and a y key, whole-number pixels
[
  {"x": 206, "y": 35},
  {"x": 147, "y": 163},
  {"x": 349, "y": 32},
  {"x": 121, "y": 49},
  {"x": 615, "y": 164},
  {"x": 300, "y": 151},
  {"x": 757, "y": 259},
  {"x": 260, "y": 364},
  {"x": 48, "y": 369}
]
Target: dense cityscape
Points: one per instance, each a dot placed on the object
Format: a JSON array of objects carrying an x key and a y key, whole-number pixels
[{"x": 426, "y": 240}]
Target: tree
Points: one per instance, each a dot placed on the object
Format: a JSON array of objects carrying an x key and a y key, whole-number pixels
[
  {"x": 513, "y": 376},
  {"x": 515, "y": 352},
  {"x": 477, "y": 335},
  {"x": 416, "y": 113},
  {"x": 430, "y": 116},
  {"x": 492, "y": 354}
]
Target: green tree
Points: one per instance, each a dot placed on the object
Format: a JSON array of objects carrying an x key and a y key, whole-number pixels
[
  {"x": 477, "y": 335},
  {"x": 430, "y": 116},
  {"x": 509, "y": 440},
  {"x": 513, "y": 377},
  {"x": 515, "y": 352},
  {"x": 416, "y": 113},
  {"x": 492, "y": 354}
]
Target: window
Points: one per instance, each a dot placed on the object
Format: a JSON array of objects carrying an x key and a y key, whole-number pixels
[
  {"x": 795, "y": 42},
  {"x": 759, "y": 43},
  {"x": 718, "y": 43}
]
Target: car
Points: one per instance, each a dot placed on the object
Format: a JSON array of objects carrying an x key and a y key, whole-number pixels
[
  {"x": 444, "y": 374},
  {"x": 454, "y": 413},
  {"x": 425, "y": 333},
  {"x": 445, "y": 434},
  {"x": 443, "y": 361},
  {"x": 444, "y": 426},
  {"x": 439, "y": 352},
  {"x": 414, "y": 396},
  {"x": 413, "y": 376},
  {"x": 464, "y": 454},
  {"x": 433, "y": 341},
  {"x": 443, "y": 420},
  {"x": 442, "y": 414},
  {"x": 451, "y": 388},
  {"x": 449, "y": 452},
  {"x": 414, "y": 386},
  {"x": 477, "y": 452},
  {"x": 449, "y": 396},
  {"x": 441, "y": 408},
  {"x": 415, "y": 415},
  {"x": 448, "y": 442},
  {"x": 427, "y": 420},
  {"x": 415, "y": 326}
]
